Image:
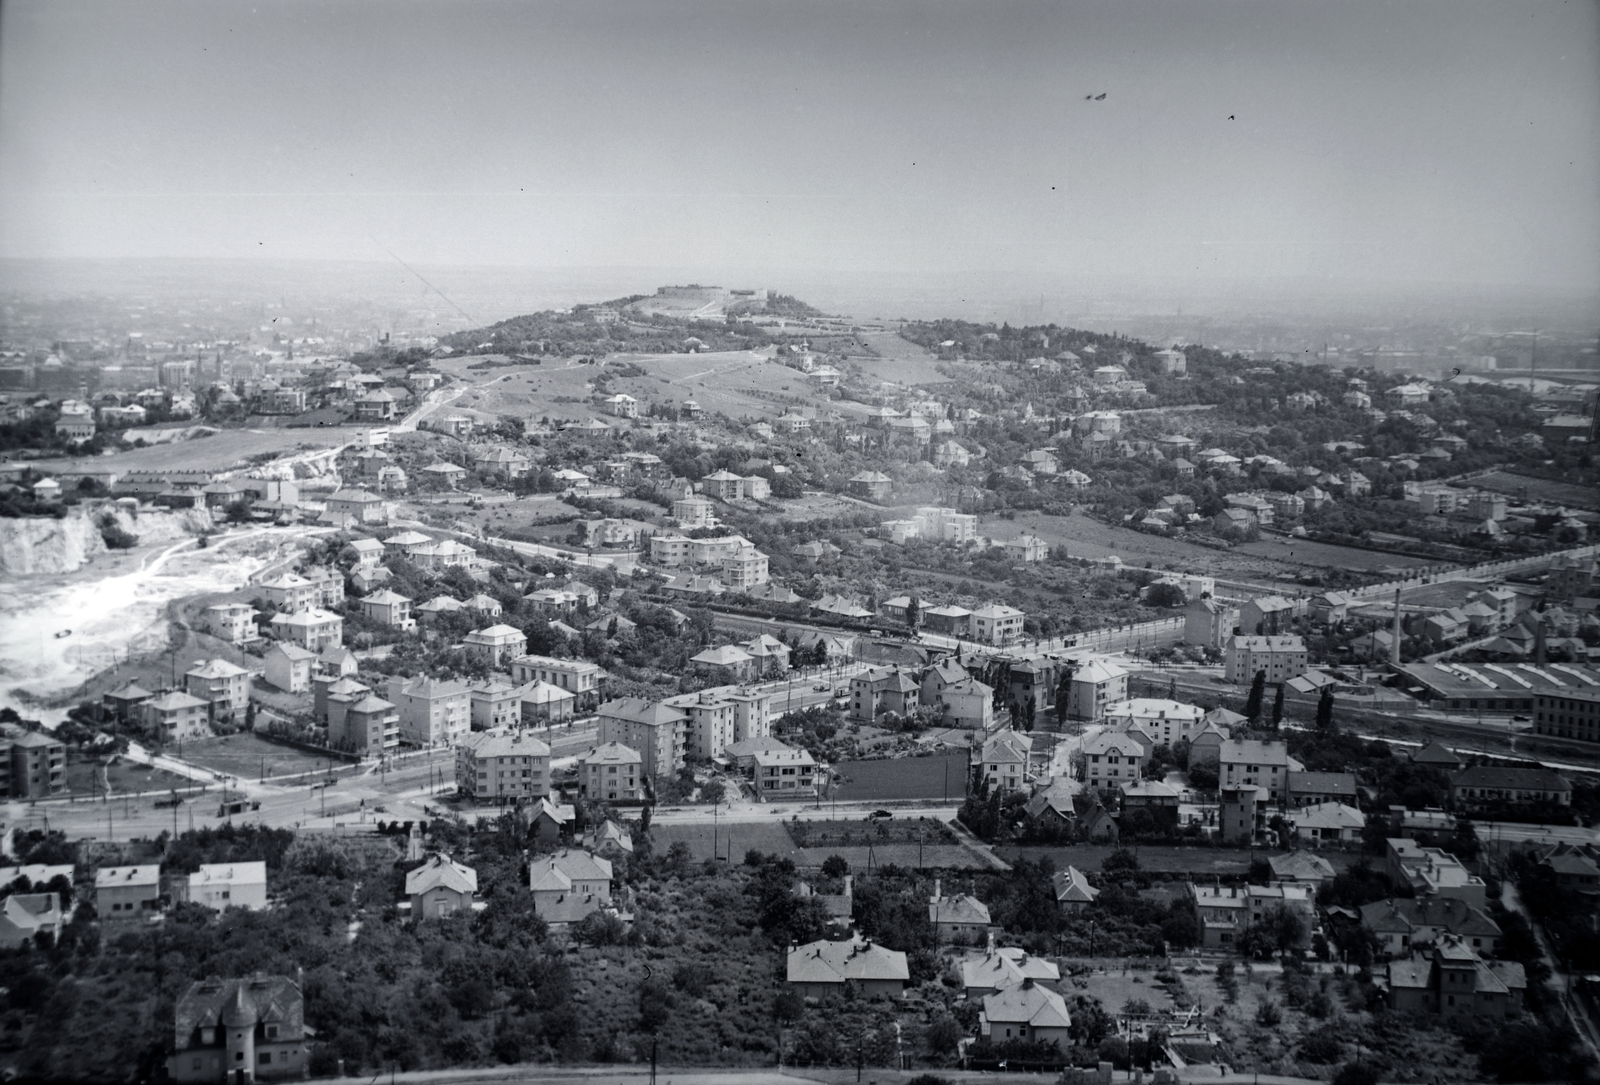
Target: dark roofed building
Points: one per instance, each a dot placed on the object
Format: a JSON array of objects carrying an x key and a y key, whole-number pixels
[
  {"x": 239, "y": 1030},
  {"x": 1486, "y": 785},
  {"x": 1309, "y": 788},
  {"x": 1438, "y": 755}
]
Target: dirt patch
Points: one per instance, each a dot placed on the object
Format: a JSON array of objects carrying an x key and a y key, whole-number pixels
[{"x": 248, "y": 757}]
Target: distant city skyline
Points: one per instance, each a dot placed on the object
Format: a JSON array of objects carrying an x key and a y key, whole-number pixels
[{"x": 1342, "y": 151}]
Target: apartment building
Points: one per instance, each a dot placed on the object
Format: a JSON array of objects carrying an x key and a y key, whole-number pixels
[
  {"x": 432, "y": 713},
  {"x": 611, "y": 772},
  {"x": 659, "y": 731},
  {"x": 584, "y": 680},
  {"x": 504, "y": 767},
  {"x": 224, "y": 686},
  {"x": 1282, "y": 658}
]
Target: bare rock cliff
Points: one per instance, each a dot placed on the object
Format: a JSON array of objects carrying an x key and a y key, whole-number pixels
[{"x": 36, "y": 546}]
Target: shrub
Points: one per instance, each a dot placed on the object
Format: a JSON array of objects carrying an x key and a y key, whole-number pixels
[
  {"x": 1320, "y": 1047},
  {"x": 1268, "y": 1015},
  {"x": 1356, "y": 1073}
]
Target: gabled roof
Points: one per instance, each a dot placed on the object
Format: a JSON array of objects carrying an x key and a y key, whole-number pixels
[
  {"x": 1300, "y": 866},
  {"x": 441, "y": 871},
  {"x": 639, "y": 710},
  {"x": 1491, "y": 776},
  {"x": 1006, "y": 967},
  {"x": 1072, "y": 886},
  {"x": 557, "y": 873},
  {"x": 837, "y": 962},
  {"x": 175, "y": 701},
  {"x": 1028, "y": 1004},
  {"x": 726, "y": 655},
  {"x": 1436, "y": 753},
  {"x": 963, "y": 909},
  {"x": 216, "y": 668}
]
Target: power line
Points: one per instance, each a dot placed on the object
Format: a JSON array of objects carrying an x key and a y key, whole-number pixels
[{"x": 418, "y": 274}]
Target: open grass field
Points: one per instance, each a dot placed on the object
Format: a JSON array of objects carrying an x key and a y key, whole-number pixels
[
  {"x": 1540, "y": 489},
  {"x": 225, "y": 449},
  {"x": 903, "y": 778},
  {"x": 898, "y": 360}
]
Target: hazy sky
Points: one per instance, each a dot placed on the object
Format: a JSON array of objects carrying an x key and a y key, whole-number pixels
[{"x": 1357, "y": 143}]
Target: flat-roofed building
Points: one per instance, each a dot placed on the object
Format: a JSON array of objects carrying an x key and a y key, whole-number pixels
[
  {"x": 232, "y": 622},
  {"x": 127, "y": 892},
  {"x": 220, "y": 886},
  {"x": 174, "y": 716},
  {"x": 785, "y": 775}
]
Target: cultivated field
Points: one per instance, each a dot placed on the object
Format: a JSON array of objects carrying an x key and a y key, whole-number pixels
[
  {"x": 903, "y": 778},
  {"x": 770, "y": 838},
  {"x": 1540, "y": 489}
]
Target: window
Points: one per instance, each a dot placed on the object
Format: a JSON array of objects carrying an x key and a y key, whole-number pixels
[{"x": 266, "y": 1057}]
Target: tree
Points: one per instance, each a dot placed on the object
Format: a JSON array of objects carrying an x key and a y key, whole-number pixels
[
  {"x": 835, "y": 866},
  {"x": 1277, "y": 707},
  {"x": 1121, "y": 863},
  {"x": 913, "y": 613},
  {"x": 1064, "y": 691},
  {"x": 1325, "y": 711},
  {"x": 1252, "y": 703}
]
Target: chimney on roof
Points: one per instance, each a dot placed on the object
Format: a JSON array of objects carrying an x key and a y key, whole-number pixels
[
  {"x": 936, "y": 889},
  {"x": 990, "y": 949},
  {"x": 1394, "y": 646}
]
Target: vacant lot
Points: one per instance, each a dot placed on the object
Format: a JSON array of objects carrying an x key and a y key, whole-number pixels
[
  {"x": 90, "y": 777},
  {"x": 730, "y": 839},
  {"x": 246, "y": 756},
  {"x": 1162, "y": 859},
  {"x": 1540, "y": 490},
  {"x": 903, "y": 778}
]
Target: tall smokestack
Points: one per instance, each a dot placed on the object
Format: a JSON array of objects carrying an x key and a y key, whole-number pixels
[
  {"x": 1394, "y": 647},
  {"x": 1538, "y": 640}
]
